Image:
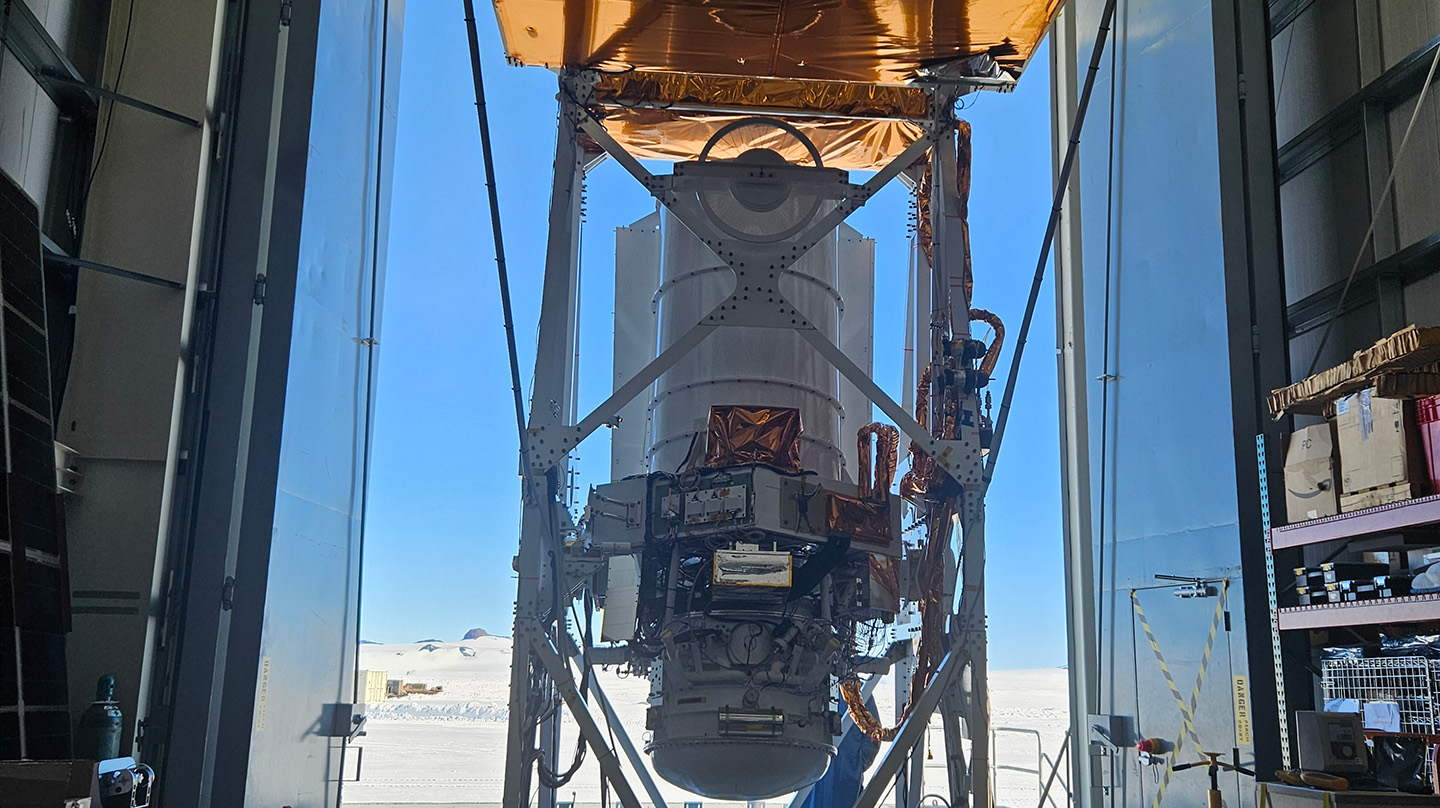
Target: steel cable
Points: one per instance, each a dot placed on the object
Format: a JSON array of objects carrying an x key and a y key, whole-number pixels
[
  {"x": 503, "y": 273},
  {"x": 1061, "y": 182}
]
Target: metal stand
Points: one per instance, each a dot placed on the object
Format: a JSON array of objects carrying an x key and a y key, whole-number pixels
[{"x": 546, "y": 580}]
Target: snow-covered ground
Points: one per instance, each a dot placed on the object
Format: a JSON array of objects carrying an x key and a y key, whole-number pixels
[{"x": 449, "y": 749}]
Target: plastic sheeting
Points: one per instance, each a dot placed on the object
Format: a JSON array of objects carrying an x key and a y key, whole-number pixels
[{"x": 867, "y": 41}]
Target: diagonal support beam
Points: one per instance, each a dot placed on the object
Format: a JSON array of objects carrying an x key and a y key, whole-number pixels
[
  {"x": 860, "y": 194},
  {"x": 617, "y": 729},
  {"x": 622, "y": 737},
  {"x": 598, "y": 133},
  {"x": 948, "y": 454},
  {"x": 564, "y": 681},
  {"x": 912, "y": 731},
  {"x": 549, "y": 444}
]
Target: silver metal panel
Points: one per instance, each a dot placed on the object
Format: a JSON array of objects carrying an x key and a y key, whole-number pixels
[
  {"x": 856, "y": 273},
  {"x": 1417, "y": 173},
  {"x": 637, "y": 276},
  {"x": 32, "y": 122},
  {"x": 1326, "y": 214},
  {"x": 1315, "y": 66},
  {"x": 907, "y": 370},
  {"x": 27, "y": 139},
  {"x": 121, "y": 397},
  {"x": 1405, "y": 26},
  {"x": 1161, "y": 487},
  {"x": 1074, "y": 389},
  {"x": 308, "y": 642},
  {"x": 752, "y": 366},
  {"x": 917, "y": 322}
]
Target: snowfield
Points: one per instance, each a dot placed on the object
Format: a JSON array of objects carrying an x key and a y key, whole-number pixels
[{"x": 448, "y": 750}]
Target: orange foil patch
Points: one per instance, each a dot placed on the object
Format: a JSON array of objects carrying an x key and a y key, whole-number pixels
[
  {"x": 863, "y": 520},
  {"x": 737, "y": 435}
]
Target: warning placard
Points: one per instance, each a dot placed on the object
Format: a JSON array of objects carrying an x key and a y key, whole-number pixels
[{"x": 1242, "y": 712}]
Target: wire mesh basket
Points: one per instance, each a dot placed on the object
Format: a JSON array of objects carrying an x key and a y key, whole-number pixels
[{"x": 1410, "y": 682}]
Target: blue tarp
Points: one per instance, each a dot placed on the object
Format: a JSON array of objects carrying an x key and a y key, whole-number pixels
[{"x": 840, "y": 786}]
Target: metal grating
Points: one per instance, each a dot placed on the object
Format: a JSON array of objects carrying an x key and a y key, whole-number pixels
[{"x": 1410, "y": 682}]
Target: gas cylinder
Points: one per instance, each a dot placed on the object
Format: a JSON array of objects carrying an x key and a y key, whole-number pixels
[{"x": 99, "y": 735}]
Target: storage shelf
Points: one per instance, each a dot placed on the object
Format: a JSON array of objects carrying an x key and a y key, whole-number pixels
[
  {"x": 1395, "y": 516},
  {"x": 1408, "y": 609}
]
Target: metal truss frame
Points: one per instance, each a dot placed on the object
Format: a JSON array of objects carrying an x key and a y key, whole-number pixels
[{"x": 539, "y": 669}]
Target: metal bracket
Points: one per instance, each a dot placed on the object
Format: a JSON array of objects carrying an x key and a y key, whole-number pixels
[
  {"x": 578, "y": 569},
  {"x": 25, "y": 37},
  {"x": 54, "y": 256},
  {"x": 120, "y": 98}
]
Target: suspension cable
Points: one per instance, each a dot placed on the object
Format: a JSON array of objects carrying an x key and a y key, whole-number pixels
[
  {"x": 504, "y": 275},
  {"x": 1060, "y": 185}
]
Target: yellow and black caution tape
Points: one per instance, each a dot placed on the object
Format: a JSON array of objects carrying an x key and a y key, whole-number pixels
[{"x": 1187, "y": 711}]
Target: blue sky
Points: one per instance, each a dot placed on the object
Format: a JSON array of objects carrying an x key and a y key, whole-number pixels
[{"x": 443, "y": 515}]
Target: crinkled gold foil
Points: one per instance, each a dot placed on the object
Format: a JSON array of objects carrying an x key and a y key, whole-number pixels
[
  {"x": 864, "y": 520},
  {"x": 859, "y": 144},
  {"x": 865, "y": 41},
  {"x": 738, "y": 435},
  {"x": 780, "y": 96}
]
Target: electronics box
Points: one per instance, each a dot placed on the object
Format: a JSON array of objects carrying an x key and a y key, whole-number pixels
[{"x": 1331, "y": 742}]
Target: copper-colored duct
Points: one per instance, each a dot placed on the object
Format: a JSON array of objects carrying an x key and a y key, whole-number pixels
[
  {"x": 865, "y": 721},
  {"x": 916, "y": 481},
  {"x": 887, "y": 445},
  {"x": 930, "y": 572},
  {"x": 992, "y": 355}
]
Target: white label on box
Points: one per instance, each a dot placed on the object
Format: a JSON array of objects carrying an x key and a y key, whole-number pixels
[{"x": 751, "y": 568}]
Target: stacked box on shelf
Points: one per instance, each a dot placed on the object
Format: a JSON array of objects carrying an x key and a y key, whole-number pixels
[
  {"x": 1310, "y": 486},
  {"x": 1372, "y": 397},
  {"x": 1380, "y": 457}
]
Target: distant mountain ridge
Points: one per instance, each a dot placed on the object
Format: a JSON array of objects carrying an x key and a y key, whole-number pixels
[{"x": 475, "y": 634}]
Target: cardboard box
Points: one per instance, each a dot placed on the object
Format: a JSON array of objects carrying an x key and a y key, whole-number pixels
[
  {"x": 1310, "y": 474},
  {"x": 1375, "y": 497},
  {"x": 1379, "y": 444}
]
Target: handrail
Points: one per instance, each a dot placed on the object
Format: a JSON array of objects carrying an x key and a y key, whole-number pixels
[{"x": 1043, "y": 763}]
